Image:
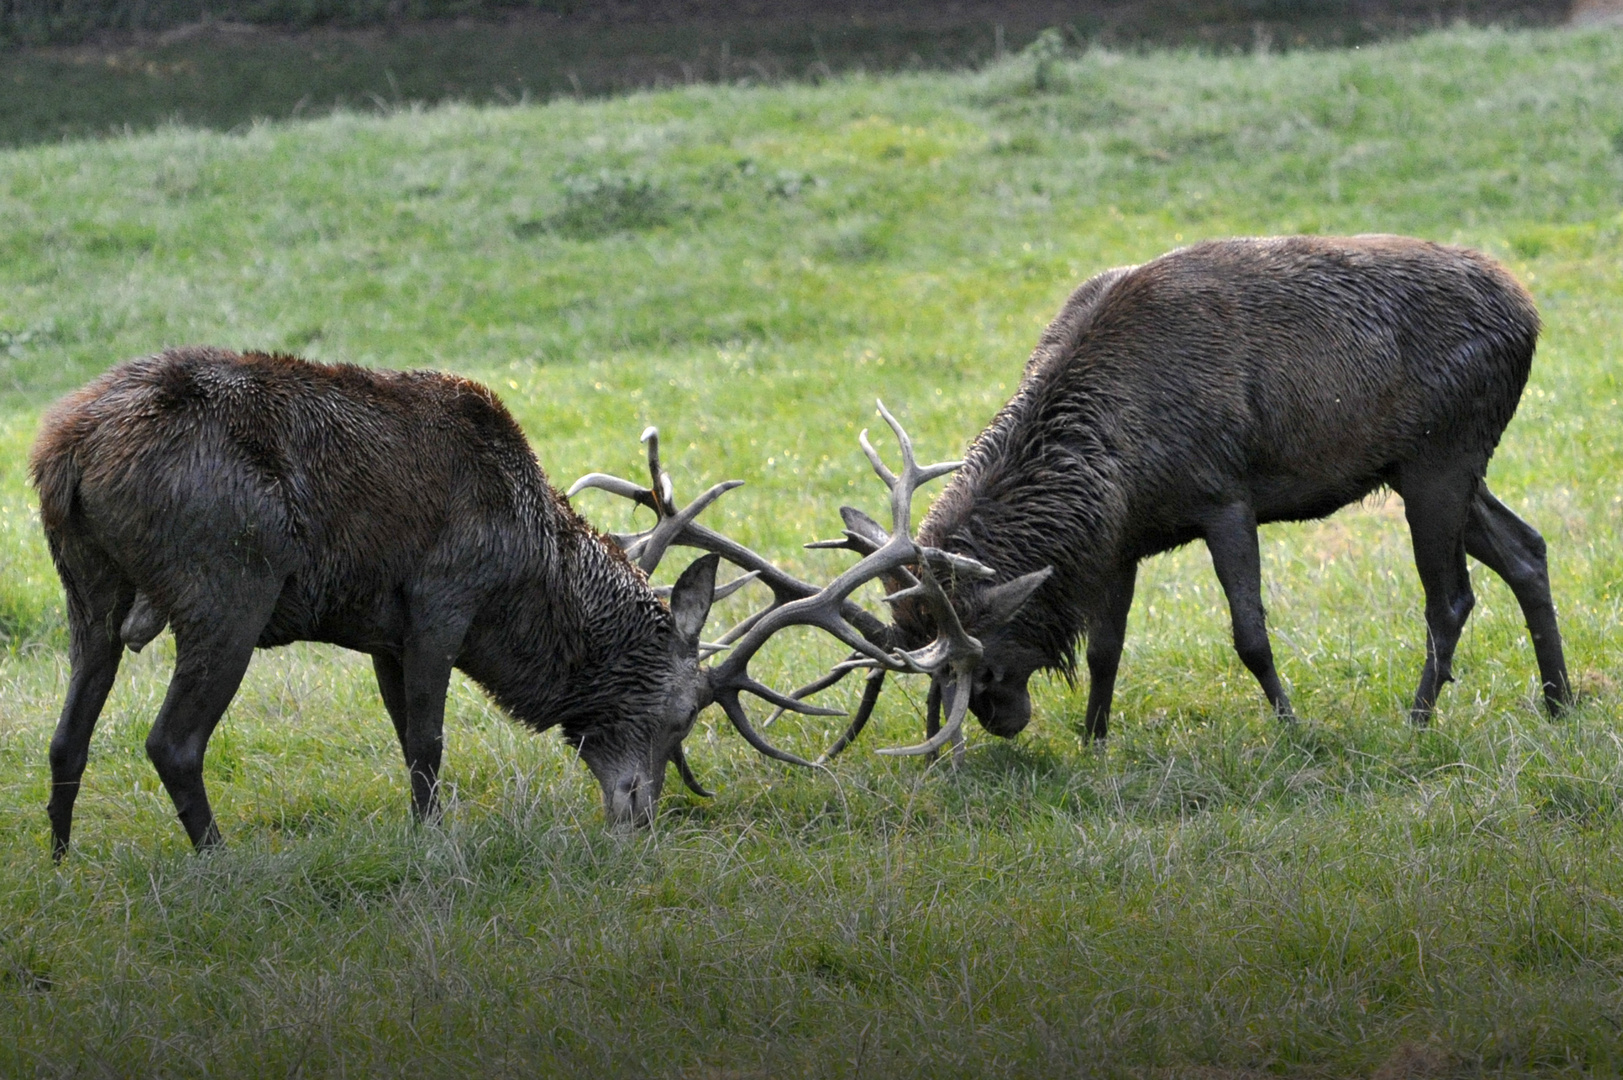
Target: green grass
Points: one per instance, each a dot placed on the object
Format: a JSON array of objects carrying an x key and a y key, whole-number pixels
[{"x": 1209, "y": 895}]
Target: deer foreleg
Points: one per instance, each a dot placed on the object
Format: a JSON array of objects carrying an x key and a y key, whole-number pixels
[
  {"x": 1107, "y": 631},
  {"x": 392, "y": 688},
  {"x": 425, "y": 675}
]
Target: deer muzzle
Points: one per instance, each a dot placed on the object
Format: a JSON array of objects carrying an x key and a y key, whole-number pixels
[
  {"x": 631, "y": 798},
  {"x": 1002, "y": 707}
]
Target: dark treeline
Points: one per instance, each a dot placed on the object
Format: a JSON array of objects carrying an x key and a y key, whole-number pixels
[
  {"x": 87, "y": 68},
  {"x": 1213, "y": 22},
  {"x": 41, "y": 22}
]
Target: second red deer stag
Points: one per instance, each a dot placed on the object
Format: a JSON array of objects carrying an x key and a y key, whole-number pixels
[{"x": 1220, "y": 387}]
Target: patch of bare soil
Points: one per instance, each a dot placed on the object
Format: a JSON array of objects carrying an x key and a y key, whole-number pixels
[
  {"x": 1415, "y": 1061},
  {"x": 1597, "y": 13}
]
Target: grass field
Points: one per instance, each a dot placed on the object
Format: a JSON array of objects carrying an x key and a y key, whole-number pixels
[{"x": 1210, "y": 895}]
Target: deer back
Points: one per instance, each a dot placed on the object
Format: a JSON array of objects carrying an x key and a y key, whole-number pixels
[{"x": 353, "y": 484}]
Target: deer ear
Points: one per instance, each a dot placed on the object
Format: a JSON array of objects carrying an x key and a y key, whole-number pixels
[
  {"x": 1000, "y": 603},
  {"x": 690, "y": 598}
]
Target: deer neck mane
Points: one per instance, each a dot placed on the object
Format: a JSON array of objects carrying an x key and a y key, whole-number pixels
[
  {"x": 576, "y": 639},
  {"x": 1032, "y": 493}
]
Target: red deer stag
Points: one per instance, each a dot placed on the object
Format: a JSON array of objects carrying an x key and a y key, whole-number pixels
[
  {"x": 249, "y": 501},
  {"x": 1222, "y": 386}
]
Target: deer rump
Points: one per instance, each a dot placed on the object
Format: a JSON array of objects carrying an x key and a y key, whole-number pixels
[
  {"x": 251, "y": 501},
  {"x": 1229, "y": 384}
]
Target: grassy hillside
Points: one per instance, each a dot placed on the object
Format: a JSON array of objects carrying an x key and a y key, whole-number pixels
[{"x": 750, "y": 269}]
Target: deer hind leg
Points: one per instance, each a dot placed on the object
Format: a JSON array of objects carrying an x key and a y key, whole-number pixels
[
  {"x": 95, "y": 608},
  {"x": 1437, "y": 501},
  {"x": 211, "y": 655},
  {"x": 1231, "y": 538},
  {"x": 1514, "y": 550}
]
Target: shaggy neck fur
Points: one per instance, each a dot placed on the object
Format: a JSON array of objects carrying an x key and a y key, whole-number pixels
[
  {"x": 582, "y": 643},
  {"x": 1042, "y": 485}
]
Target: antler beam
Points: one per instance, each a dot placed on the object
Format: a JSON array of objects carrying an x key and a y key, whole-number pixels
[
  {"x": 908, "y": 567},
  {"x": 953, "y": 655},
  {"x": 675, "y": 527}
]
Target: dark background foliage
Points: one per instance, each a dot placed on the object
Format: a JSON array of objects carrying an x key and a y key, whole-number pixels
[
  {"x": 69, "y": 21},
  {"x": 77, "y": 68}
]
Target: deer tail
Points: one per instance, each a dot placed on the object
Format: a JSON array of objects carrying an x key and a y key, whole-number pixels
[{"x": 54, "y": 469}]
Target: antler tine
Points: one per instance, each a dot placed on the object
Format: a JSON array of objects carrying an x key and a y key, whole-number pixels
[
  {"x": 951, "y": 732},
  {"x": 720, "y": 592},
  {"x": 735, "y": 712},
  {"x": 864, "y": 536},
  {"x": 955, "y": 563},
  {"x": 951, "y": 659},
  {"x": 925, "y": 473},
  {"x": 818, "y": 685},
  {"x": 913, "y": 474},
  {"x": 852, "y": 542},
  {"x": 640, "y": 495},
  {"x": 685, "y": 770},
  {"x": 870, "y": 696},
  {"x": 878, "y": 462},
  {"x": 659, "y": 480},
  {"x": 629, "y": 542}
]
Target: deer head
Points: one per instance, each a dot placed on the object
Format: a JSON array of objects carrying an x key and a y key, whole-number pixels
[{"x": 663, "y": 689}]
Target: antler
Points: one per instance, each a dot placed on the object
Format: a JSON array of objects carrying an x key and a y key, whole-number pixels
[
  {"x": 954, "y": 654},
  {"x": 892, "y": 555},
  {"x": 679, "y": 527},
  {"x": 885, "y": 554}
]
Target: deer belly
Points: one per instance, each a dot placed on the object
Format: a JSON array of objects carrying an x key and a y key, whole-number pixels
[{"x": 1299, "y": 498}]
